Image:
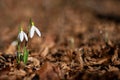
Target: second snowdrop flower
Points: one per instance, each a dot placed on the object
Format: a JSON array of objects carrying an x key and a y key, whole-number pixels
[
  {"x": 33, "y": 30},
  {"x": 22, "y": 35}
]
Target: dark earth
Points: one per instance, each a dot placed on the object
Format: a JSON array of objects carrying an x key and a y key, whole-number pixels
[{"x": 80, "y": 39}]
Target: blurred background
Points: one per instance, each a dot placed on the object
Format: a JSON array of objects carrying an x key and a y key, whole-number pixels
[{"x": 62, "y": 18}]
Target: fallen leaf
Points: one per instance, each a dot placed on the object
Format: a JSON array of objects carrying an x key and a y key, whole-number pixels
[{"x": 48, "y": 72}]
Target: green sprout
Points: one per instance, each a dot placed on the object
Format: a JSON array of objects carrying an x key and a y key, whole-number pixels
[{"x": 22, "y": 51}]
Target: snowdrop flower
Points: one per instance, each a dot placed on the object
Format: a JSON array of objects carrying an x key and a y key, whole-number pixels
[
  {"x": 22, "y": 35},
  {"x": 33, "y": 30}
]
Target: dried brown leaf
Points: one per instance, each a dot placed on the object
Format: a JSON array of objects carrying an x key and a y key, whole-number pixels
[
  {"x": 44, "y": 52},
  {"x": 48, "y": 72}
]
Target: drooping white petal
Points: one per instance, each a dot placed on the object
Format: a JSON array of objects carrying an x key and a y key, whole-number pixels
[
  {"x": 18, "y": 36},
  {"x": 21, "y": 36},
  {"x": 37, "y": 31},
  {"x": 25, "y": 35},
  {"x": 32, "y": 31}
]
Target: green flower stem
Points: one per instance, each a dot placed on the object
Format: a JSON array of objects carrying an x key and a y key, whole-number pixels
[
  {"x": 25, "y": 55},
  {"x": 18, "y": 53}
]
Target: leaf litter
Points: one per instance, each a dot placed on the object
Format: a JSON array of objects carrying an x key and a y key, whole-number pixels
[{"x": 79, "y": 48}]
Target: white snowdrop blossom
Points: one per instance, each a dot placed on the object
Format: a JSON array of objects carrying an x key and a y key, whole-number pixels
[
  {"x": 22, "y": 35},
  {"x": 33, "y": 30}
]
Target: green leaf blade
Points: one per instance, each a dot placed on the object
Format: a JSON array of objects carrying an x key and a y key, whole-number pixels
[{"x": 25, "y": 55}]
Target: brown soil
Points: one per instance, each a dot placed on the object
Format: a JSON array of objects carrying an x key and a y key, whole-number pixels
[{"x": 80, "y": 40}]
